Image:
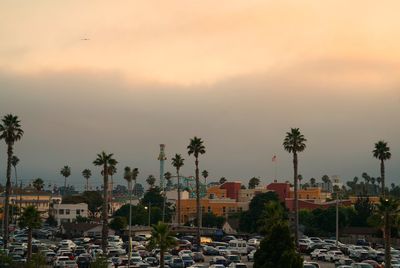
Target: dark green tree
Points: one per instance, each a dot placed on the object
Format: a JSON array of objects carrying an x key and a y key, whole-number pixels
[
  {"x": 250, "y": 219},
  {"x": 118, "y": 223},
  {"x": 10, "y": 132},
  {"x": 254, "y": 182},
  {"x": 161, "y": 238},
  {"x": 277, "y": 249}
]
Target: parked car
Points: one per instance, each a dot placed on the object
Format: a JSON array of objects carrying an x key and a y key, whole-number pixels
[
  {"x": 176, "y": 263},
  {"x": 198, "y": 256},
  {"x": 218, "y": 260}
]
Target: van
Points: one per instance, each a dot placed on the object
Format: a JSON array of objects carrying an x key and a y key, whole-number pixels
[{"x": 239, "y": 246}]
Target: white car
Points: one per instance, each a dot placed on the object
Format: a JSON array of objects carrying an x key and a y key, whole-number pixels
[
  {"x": 333, "y": 255},
  {"x": 254, "y": 242},
  {"x": 318, "y": 254},
  {"x": 216, "y": 266},
  {"x": 59, "y": 261},
  {"x": 184, "y": 252},
  {"x": 237, "y": 265}
]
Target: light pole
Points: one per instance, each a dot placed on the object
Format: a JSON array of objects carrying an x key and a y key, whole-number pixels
[
  {"x": 130, "y": 223},
  {"x": 149, "y": 208},
  {"x": 337, "y": 218}
]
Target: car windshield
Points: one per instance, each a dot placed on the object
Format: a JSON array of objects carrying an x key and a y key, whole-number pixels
[
  {"x": 241, "y": 266},
  {"x": 186, "y": 258},
  {"x": 234, "y": 257}
]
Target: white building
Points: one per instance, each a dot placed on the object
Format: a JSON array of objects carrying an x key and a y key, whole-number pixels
[
  {"x": 68, "y": 212},
  {"x": 173, "y": 195}
]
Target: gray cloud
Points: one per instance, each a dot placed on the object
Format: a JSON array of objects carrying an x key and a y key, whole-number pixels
[{"x": 69, "y": 117}]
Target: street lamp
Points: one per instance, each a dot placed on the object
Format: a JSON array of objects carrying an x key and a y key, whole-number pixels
[{"x": 149, "y": 209}]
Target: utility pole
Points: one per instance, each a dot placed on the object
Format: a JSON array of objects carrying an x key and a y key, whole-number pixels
[
  {"x": 130, "y": 223},
  {"x": 337, "y": 218}
]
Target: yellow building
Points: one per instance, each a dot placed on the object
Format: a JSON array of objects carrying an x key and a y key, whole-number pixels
[
  {"x": 29, "y": 197},
  {"x": 313, "y": 193},
  {"x": 219, "y": 207}
]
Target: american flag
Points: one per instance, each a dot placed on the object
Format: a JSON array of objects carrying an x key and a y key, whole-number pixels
[{"x": 274, "y": 158}]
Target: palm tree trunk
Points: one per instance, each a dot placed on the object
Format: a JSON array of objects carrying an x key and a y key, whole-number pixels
[
  {"x": 104, "y": 233},
  {"x": 29, "y": 253},
  {"x": 87, "y": 184},
  {"x": 162, "y": 261},
  {"x": 296, "y": 201},
  {"x": 179, "y": 198},
  {"x": 387, "y": 233},
  {"x": 198, "y": 202},
  {"x": 65, "y": 185},
  {"x": 383, "y": 177},
  {"x": 8, "y": 191}
]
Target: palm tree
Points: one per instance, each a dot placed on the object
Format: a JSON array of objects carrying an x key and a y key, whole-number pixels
[
  {"x": 65, "y": 172},
  {"x": 294, "y": 143},
  {"x": 30, "y": 219},
  {"x": 387, "y": 211},
  {"x": 86, "y": 173},
  {"x": 112, "y": 169},
  {"x": 205, "y": 176},
  {"x": 196, "y": 147},
  {"x": 312, "y": 182},
  {"x": 14, "y": 163},
  {"x": 135, "y": 173},
  {"x": 161, "y": 238},
  {"x": 178, "y": 162},
  {"x": 128, "y": 178},
  {"x": 38, "y": 184},
  {"x": 151, "y": 181},
  {"x": 382, "y": 152},
  {"x": 222, "y": 180},
  {"x": 105, "y": 160},
  {"x": 10, "y": 132}
]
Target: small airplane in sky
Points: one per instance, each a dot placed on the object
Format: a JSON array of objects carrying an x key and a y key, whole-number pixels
[{"x": 85, "y": 39}]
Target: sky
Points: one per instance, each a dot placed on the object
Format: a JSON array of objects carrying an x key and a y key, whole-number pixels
[{"x": 125, "y": 76}]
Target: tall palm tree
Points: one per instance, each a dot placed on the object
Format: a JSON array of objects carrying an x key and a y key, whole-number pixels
[
  {"x": 10, "y": 132},
  {"x": 312, "y": 182},
  {"x": 128, "y": 178},
  {"x": 112, "y": 169},
  {"x": 135, "y": 173},
  {"x": 14, "y": 163},
  {"x": 196, "y": 147},
  {"x": 178, "y": 162},
  {"x": 382, "y": 152},
  {"x": 30, "y": 219},
  {"x": 105, "y": 160},
  {"x": 65, "y": 172},
  {"x": 87, "y": 173},
  {"x": 388, "y": 210},
  {"x": 205, "y": 176},
  {"x": 163, "y": 239},
  {"x": 294, "y": 143}
]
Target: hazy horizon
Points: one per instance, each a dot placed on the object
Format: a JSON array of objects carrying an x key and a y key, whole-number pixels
[{"x": 238, "y": 74}]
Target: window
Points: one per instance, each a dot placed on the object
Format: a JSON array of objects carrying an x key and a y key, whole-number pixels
[
  {"x": 223, "y": 209},
  {"x": 209, "y": 209},
  {"x": 61, "y": 211},
  {"x": 67, "y": 211},
  {"x": 78, "y": 212}
]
